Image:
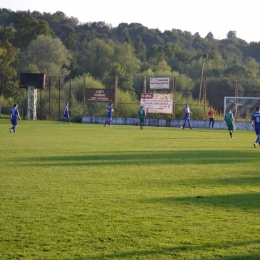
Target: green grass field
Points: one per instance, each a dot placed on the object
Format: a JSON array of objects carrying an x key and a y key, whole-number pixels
[{"x": 80, "y": 192}]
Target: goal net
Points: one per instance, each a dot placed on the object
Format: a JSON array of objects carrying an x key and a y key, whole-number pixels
[{"x": 241, "y": 107}]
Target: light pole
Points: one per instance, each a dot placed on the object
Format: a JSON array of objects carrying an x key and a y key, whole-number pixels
[{"x": 205, "y": 56}]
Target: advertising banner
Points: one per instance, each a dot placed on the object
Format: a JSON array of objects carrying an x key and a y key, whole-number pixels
[
  {"x": 159, "y": 83},
  {"x": 100, "y": 95},
  {"x": 157, "y": 103}
]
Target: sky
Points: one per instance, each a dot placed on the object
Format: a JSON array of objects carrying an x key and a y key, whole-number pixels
[{"x": 202, "y": 16}]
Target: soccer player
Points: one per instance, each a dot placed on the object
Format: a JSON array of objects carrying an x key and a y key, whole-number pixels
[
  {"x": 255, "y": 121},
  {"x": 109, "y": 110},
  {"x": 211, "y": 115},
  {"x": 187, "y": 114},
  {"x": 14, "y": 115},
  {"x": 141, "y": 116},
  {"x": 229, "y": 119},
  {"x": 66, "y": 113}
]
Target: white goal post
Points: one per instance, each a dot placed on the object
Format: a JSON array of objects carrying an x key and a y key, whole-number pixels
[{"x": 241, "y": 107}]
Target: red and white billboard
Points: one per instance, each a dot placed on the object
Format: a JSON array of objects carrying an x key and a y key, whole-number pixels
[{"x": 157, "y": 103}]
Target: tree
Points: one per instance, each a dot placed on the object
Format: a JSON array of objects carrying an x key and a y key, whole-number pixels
[
  {"x": 129, "y": 64},
  {"x": 237, "y": 70},
  {"x": 21, "y": 62},
  {"x": 252, "y": 66},
  {"x": 197, "y": 35},
  {"x": 210, "y": 35},
  {"x": 71, "y": 41},
  {"x": 7, "y": 33},
  {"x": 234, "y": 54},
  {"x": 218, "y": 88},
  {"x": 125, "y": 80},
  {"x": 253, "y": 50},
  {"x": 27, "y": 29},
  {"x": 50, "y": 56},
  {"x": 156, "y": 54},
  {"x": 124, "y": 55},
  {"x": 8, "y": 81},
  {"x": 162, "y": 68},
  {"x": 96, "y": 58},
  {"x": 231, "y": 35},
  {"x": 140, "y": 49},
  {"x": 182, "y": 59},
  {"x": 127, "y": 40}
]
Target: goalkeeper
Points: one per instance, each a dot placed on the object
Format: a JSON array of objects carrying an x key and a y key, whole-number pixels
[{"x": 141, "y": 116}]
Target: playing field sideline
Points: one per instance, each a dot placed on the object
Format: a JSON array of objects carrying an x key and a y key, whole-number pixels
[{"x": 84, "y": 191}]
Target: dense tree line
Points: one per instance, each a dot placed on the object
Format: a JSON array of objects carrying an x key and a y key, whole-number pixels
[{"x": 62, "y": 46}]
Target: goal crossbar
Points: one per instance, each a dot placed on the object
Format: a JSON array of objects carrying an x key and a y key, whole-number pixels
[{"x": 241, "y": 106}]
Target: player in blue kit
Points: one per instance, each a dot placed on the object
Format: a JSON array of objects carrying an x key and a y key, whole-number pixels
[
  {"x": 109, "y": 110},
  {"x": 66, "y": 113},
  {"x": 14, "y": 115},
  {"x": 187, "y": 114},
  {"x": 255, "y": 121}
]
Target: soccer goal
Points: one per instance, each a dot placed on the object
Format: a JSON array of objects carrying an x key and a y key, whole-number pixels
[{"x": 241, "y": 107}]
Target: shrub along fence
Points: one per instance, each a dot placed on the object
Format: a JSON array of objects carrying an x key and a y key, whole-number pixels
[{"x": 199, "y": 92}]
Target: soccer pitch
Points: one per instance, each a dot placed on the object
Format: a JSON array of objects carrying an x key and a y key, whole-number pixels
[{"x": 82, "y": 191}]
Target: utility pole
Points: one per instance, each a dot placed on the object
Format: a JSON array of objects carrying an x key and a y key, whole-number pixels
[
  {"x": 236, "y": 95},
  {"x": 205, "y": 56}
]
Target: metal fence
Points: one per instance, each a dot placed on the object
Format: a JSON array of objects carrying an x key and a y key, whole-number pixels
[{"x": 199, "y": 93}]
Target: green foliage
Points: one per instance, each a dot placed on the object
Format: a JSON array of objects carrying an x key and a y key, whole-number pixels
[
  {"x": 249, "y": 87},
  {"x": 196, "y": 107},
  {"x": 77, "y": 86},
  {"x": 162, "y": 68},
  {"x": 128, "y": 104},
  {"x": 252, "y": 67},
  {"x": 27, "y": 29},
  {"x": 140, "y": 49},
  {"x": 96, "y": 59},
  {"x": 7, "y": 73},
  {"x": 49, "y": 55},
  {"x": 126, "y": 81},
  {"x": 74, "y": 89},
  {"x": 21, "y": 63},
  {"x": 217, "y": 89},
  {"x": 237, "y": 69},
  {"x": 6, "y": 102},
  {"x": 184, "y": 84},
  {"x": 59, "y": 45},
  {"x": 124, "y": 56}
]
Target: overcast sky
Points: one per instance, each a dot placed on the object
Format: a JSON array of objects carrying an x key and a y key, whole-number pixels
[{"x": 203, "y": 16}]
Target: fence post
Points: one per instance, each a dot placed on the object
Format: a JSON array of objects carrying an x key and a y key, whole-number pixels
[
  {"x": 116, "y": 89},
  {"x": 70, "y": 93},
  {"x": 144, "y": 85},
  {"x": 40, "y": 104},
  {"x": 84, "y": 91},
  {"x": 236, "y": 95},
  {"x": 59, "y": 98},
  {"x": 204, "y": 98},
  {"x": 49, "y": 98}
]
